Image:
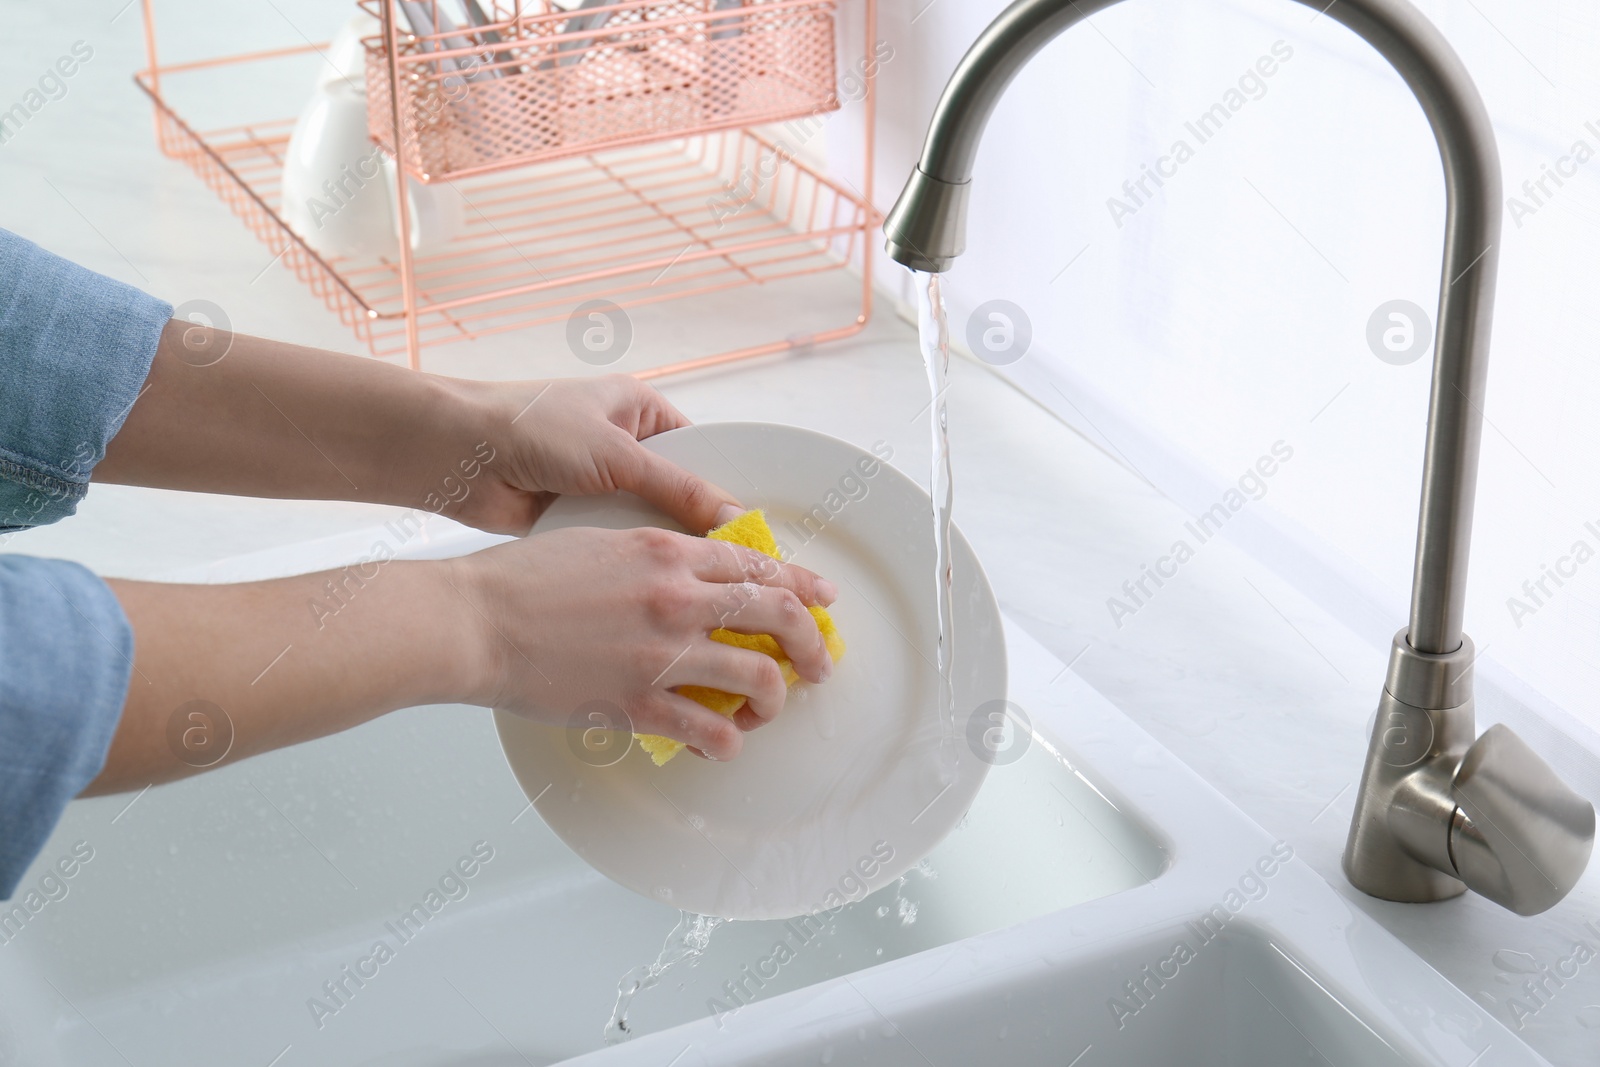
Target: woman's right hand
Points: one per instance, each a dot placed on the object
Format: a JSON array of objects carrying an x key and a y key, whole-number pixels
[{"x": 580, "y": 615}]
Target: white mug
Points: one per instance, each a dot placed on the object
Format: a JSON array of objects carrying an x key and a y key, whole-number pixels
[{"x": 338, "y": 186}]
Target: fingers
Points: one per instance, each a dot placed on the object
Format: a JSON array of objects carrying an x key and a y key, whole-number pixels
[
  {"x": 728, "y": 563},
  {"x": 688, "y": 498},
  {"x": 673, "y": 715},
  {"x": 752, "y": 675},
  {"x": 757, "y": 609},
  {"x": 747, "y": 720},
  {"x": 654, "y": 412}
]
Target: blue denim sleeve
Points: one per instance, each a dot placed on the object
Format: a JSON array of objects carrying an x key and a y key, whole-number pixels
[
  {"x": 75, "y": 349},
  {"x": 66, "y": 652}
]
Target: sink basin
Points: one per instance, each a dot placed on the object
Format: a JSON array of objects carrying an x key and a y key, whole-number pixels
[
  {"x": 216, "y": 913},
  {"x": 1241, "y": 999},
  {"x": 238, "y": 918}
]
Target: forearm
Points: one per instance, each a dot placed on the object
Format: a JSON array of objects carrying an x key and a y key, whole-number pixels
[
  {"x": 286, "y": 661},
  {"x": 277, "y": 420}
]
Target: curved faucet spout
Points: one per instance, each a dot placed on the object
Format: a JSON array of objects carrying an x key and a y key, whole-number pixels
[
  {"x": 1415, "y": 818},
  {"x": 926, "y": 231}
]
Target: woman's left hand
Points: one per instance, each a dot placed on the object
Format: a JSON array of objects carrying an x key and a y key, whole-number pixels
[{"x": 580, "y": 437}]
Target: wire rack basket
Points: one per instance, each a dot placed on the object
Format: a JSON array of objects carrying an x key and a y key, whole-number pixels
[
  {"x": 556, "y": 84},
  {"x": 636, "y": 216}
]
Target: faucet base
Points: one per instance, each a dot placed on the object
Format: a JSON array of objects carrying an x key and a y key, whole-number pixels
[
  {"x": 1440, "y": 812},
  {"x": 1400, "y": 846}
]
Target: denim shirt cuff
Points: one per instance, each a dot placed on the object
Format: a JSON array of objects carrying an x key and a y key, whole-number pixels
[{"x": 75, "y": 350}]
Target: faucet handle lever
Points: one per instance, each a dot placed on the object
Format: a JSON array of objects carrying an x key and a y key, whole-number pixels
[{"x": 1519, "y": 836}]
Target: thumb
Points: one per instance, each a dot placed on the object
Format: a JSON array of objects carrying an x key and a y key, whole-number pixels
[{"x": 694, "y": 502}]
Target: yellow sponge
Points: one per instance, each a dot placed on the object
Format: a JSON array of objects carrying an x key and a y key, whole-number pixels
[{"x": 751, "y": 531}]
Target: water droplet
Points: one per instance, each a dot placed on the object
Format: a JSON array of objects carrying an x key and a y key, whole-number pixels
[{"x": 1514, "y": 962}]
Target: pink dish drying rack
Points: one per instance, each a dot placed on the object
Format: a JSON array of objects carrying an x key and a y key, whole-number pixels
[{"x": 628, "y": 152}]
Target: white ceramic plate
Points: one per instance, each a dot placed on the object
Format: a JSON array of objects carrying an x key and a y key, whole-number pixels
[{"x": 859, "y": 778}]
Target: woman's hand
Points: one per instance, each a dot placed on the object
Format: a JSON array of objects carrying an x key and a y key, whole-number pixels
[
  {"x": 540, "y": 627},
  {"x": 580, "y": 437},
  {"x": 579, "y": 615}
]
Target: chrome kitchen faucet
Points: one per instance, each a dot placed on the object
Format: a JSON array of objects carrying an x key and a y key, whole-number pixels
[{"x": 1437, "y": 812}]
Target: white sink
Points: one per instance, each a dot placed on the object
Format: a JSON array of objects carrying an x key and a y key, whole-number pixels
[{"x": 216, "y": 913}]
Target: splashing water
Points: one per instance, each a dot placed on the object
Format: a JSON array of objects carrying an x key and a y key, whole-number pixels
[
  {"x": 686, "y": 943},
  {"x": 934, "y": 332}
]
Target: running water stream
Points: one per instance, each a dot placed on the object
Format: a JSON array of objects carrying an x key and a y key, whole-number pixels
[
  {"x": 689, "y": 938},
  {"x": 686, "y": 943},
  {"x": 934, "y": 335}
]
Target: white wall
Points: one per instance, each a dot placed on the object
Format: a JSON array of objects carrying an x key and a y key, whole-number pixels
[{"x": 1228, "y": 312}]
